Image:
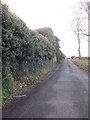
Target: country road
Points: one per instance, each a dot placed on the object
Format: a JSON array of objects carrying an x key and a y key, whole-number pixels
[{"x": 64, "y": 94}]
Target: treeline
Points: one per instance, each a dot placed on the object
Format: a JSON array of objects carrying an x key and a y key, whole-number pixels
[{"x": 24, "y": 49}]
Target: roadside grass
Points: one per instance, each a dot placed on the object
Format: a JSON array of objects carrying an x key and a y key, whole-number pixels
[
  {"x": 42, "y": 73},
  {"x": 9, "y": 90},
  {"x": 89, "y": 64},
  {"x": 12, "y": 88},
  {"x": 83, "y": 63},
  {"x": 0, "y": 91},
  {"x": 0, "y": 97}
]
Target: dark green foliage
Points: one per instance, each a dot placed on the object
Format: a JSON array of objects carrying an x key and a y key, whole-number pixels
[
  {"x": 25, "y": 49},
  {"x": 72, "y": 57}
]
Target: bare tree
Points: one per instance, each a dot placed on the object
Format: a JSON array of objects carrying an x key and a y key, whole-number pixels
[
  {"x": 76, "y": 26},
  {"x": 80, "y": 22},
  {"x": 85, "y": 8}
]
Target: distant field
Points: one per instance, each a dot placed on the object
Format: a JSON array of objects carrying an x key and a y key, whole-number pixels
[{"x": 83, "y": 63}]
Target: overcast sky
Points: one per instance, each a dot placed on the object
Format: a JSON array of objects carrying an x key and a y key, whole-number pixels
[{"x": 56, "y": 14}]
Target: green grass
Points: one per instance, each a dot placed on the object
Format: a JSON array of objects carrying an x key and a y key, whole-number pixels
[
  {"x": 11, "y": 89},
  {"x": 8, "y": 91},
  {"x": 82, "y": 62},
  {"x": 0, "y": 97},
  {"x": 42, "y": 73},
  {"x": 0, "y": 92}
]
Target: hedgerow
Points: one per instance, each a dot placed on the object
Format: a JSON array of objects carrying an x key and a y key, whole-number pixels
[{"x": 25, "y": 49}]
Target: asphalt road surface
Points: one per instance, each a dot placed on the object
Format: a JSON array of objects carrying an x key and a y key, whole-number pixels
[{"x": 64, "y": 94}]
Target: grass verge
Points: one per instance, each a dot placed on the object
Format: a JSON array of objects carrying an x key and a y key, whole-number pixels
[
  {"x": 25, "y": 83},
  {"x": 82, "y": 63}
]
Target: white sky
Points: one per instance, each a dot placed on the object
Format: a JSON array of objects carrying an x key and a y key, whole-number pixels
[{"x": 56, "y": 14}]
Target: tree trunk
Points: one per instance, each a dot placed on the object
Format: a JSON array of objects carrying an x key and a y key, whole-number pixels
[
  {"x": 79, "y": 49},
  {"x": 78, "y": 35}
]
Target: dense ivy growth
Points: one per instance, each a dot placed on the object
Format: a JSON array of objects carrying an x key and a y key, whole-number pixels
[{"x": 25, "y": 49}]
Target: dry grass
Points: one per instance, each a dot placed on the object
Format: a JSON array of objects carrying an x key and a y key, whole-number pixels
[{"x": 82, "y": 62}]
